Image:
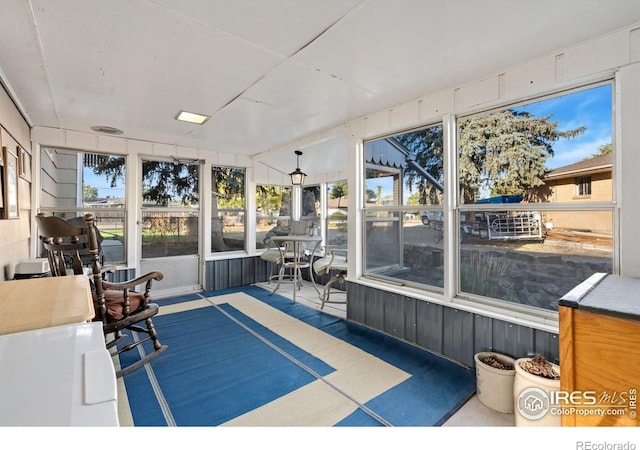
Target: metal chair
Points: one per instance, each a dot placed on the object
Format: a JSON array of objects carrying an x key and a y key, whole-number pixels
[{"x": 334, "y": 263}]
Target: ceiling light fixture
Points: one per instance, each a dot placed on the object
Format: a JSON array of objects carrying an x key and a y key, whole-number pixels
[
  {"x": 297, "y": 176},
  {"x": 190, "y": 117}
]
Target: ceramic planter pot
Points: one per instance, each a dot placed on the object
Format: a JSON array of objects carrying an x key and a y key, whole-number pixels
[
  {"x": 494, "y": 386},
  {"x": 532, "y": 401}
]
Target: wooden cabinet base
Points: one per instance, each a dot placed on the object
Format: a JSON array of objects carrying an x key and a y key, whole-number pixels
[{"x": 600, "y": 362}]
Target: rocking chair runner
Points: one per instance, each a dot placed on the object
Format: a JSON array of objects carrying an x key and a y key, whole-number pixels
[{"x": 116, "y": 304}]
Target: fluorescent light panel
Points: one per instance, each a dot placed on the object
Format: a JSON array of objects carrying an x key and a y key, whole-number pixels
[{"x": 190, "y": 117}]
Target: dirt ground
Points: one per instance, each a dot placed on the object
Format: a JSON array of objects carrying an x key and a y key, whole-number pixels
[{"x": 555, "y": 242}]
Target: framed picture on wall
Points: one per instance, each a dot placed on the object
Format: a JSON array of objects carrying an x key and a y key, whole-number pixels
[
  {"x": 10, "y": 183},
  {"x": 1, "y": 187},
  {"x": 25, "y": 163}
]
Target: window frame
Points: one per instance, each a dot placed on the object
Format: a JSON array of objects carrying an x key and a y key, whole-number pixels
[
  {"x": 241, "y": 211},
  {"x": 454, "y": 208},
  {"x": 79, "y": 209},
  {"x": 398, "y": 209}
]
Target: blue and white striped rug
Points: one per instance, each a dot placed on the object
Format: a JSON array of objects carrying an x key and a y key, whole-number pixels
[{"x": 243, "y": 357}]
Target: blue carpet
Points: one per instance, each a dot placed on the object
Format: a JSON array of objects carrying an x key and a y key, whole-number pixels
[{"x": 221, "y": 364}]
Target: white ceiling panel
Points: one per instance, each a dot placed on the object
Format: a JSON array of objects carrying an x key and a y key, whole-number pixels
[
  {"x": 281, "y": 26},
  {"x": 290, "y": 103},
  {"x": 324, "y": 157}
]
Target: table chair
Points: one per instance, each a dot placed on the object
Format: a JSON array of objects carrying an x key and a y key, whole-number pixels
[
  {"x": 273, "y": 255},
  {"x": 117, "y": 305},
  {"x": 287, "y": 254},
  {"x": 334, "y": 263},
  {"x": 273, "y": 258}
]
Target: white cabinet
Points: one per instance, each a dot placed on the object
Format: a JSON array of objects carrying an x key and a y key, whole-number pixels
[{"x": 58, "y": 376}]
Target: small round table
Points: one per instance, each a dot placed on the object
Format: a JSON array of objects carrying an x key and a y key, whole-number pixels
[{"x": 292, "y": 251}]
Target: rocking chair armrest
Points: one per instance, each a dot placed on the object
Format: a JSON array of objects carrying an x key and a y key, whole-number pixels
[{"x": 146, "y": 278}]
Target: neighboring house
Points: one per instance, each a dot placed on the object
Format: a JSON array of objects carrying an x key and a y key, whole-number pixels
[{"x": 588, "y": 180}]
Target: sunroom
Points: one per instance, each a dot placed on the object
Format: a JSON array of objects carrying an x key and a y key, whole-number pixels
[{"x": 442, "y": 146}]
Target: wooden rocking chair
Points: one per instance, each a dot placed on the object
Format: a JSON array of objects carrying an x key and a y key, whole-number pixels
[{"x": 117, "y": 305}]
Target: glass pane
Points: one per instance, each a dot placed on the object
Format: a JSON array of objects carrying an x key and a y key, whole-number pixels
[
  {"x": 337, "y": 212},
  {"x": 406, "y": 169},
  {"x": 535, "y": 257},
  {"x": 75, "y": 183},
  {"x": 541, "y": 151},
  {"x": 228, "y": 207},
  {"x": 311, "y": 204},
  {"x": 228, "y": 187},
  {"x": 110, "y": 225},
  {"x": 169, "y": 233},
  {"x": 273, "y": 212},
  {"x": 227, "y": 231},
  {"x": 418, "y": 258},
  {"x": 170, "y": 184},
  {"x": 76, "y": 179},
  {"x": 383, "y": 250}
]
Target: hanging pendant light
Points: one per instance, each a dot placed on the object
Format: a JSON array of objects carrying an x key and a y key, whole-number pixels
[{"x": 297, "y": 176}]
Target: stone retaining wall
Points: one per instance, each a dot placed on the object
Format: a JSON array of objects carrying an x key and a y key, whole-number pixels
[{"x": 532, "y": 278}]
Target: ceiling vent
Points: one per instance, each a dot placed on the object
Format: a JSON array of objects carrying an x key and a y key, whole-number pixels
[{"x": 106, "y": 130}]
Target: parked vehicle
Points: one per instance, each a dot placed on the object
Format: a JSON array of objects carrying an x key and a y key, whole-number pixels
[{"x": 428, "y": 217}]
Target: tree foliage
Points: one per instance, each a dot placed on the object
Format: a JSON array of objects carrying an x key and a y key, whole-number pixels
[
  {"x": 110, "y": 166},
  {"x": 339, "y": 190},
  {"x": 273, "y": 200},
  {"x": 229, "y": 185},
  {"x": 427, "y": 147},
  {"x": 89, "y": 192},
  {"x": 603, "y": 150},
  {"x": 167, "y": 181},
  {"x": 503, "y": 153}
]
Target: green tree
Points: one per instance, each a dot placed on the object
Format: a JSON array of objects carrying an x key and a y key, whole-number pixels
[
  {"x": 603, "y": 150},
  {"x": 110, "y": 166},
  {"x": 505, "y": 153},
  {"x": 167, "y": 181},
  {"x": 89, "y": 191},
  {"x": 162, "y": 182},
  {"x": 371, "y": 196},
  {"x": 338, "y": 190},
  {"x": 426, "y": 147},
  {"x": 273, "y": 200},
  {"x": 229, "y": 187}
]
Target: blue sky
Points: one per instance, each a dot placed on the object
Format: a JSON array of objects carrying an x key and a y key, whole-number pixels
[
  {"x": 591, "y": 108},
  {"x": 100, "y": 182}
]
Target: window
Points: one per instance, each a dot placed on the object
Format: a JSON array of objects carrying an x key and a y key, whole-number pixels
[
  {"x": 583, "y": 186},
  {"x": 170, "y": 208},
  {"x": 311, "y": 206},
  {"x": 337, "y": 214},
  {"x": 532, "y": 215},
  {"x": 75, "y": 183},
  {"x": 404, "y": 208},
  {"x": 227, "y": 209},
  {"x": 526, "y": 238},
  {"x": 273, "y": 213}
]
